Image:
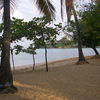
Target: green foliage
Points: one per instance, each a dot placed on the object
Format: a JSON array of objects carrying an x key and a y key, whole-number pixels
[
  {"x": 18, "y": 29},
  {"x": 18, "y": 49},
  {"x": 89, "y": 25},
  {"x": 37, "y": 30},
  {"x": 40, "y": 32}
]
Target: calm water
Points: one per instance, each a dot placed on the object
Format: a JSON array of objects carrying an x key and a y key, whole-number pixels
[{"x": 53, "y": 55}]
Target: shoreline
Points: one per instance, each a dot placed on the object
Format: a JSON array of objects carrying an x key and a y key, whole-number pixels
[{"x": 38, "y": 66}]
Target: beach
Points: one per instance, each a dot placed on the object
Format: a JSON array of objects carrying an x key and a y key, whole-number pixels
[{"x": 65, "y": 81}]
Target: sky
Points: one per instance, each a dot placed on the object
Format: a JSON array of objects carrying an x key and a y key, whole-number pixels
[{"x": 27, "y": 9}]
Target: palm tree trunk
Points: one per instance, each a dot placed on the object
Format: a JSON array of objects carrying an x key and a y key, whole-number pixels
[
  {"x": 46, "y": 58},
  {"x": 81, "y": 56},
  {"x": 33, "y": 62},
  {"x": 6, "y": 78}
]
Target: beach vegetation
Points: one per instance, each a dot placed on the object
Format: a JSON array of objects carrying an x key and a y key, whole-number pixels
[
  {"x": 70, "y": 10},
  {"x": 89, "y": 25}
]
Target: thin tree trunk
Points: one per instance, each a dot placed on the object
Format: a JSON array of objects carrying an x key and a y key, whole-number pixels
[
  {"x": 46, "y": 60},
  {"x": 33, "y": 62},
  {"x": 12, "y": 60},
  {"x": 81, "y": 56},
  {"x": 46, "y": 57},
  {"x": 95, "y": 50},
  {"x": 6, "y": 78}
]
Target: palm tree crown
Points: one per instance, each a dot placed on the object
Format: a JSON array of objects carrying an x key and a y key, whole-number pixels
[
  {"x": 69, "y": 5},
  {"x": 46, "y": 7}
]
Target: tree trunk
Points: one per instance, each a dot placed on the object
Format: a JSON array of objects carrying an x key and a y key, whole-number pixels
[
  {"x": 81, "y": 56},
  {"x": 12, "y": 56},
  {"x": 46, "y": 60},
  {"x": 6, "y": 78},
  {"x": 33, "y": 62},
  {"x": 95, "y": 50}
]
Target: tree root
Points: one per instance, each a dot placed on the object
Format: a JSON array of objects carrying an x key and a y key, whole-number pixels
[
  {"x": 6, "y": 90},
  {"x": 80, "y": 62}
]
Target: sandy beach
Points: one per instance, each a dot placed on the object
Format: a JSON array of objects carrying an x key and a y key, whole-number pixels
[{"x": 64, "y": 81}]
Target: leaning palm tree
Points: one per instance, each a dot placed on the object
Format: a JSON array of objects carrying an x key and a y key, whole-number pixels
[
  {"x": 6, "y": 78},
  {"x": 69, "y": 10}
]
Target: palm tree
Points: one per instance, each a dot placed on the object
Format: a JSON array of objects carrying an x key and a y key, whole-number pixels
[
  {"x": 6, "y": 78},
  {"x": 69, "y": 10}
]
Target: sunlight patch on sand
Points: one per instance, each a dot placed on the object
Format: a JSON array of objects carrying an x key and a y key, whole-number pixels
[{"x": 34, "y": 92}]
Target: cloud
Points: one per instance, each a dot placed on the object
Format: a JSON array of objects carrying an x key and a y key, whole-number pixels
[{"x": 26, "y": 10}]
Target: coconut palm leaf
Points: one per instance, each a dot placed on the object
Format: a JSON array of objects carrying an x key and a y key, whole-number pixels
[
  {"x": 46, "y": 7},
  {"x": 96, "y": 1},
  {"x": 69, "y": 5},
  {"x": 62, "y": 8},
  {"x": 12, "y": 5},
  {"x": 1, "y": 4},
  {"x": 11, "y": 1}
]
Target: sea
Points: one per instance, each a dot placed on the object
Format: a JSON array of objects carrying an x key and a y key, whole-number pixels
[{"x": 53, "y": 54}]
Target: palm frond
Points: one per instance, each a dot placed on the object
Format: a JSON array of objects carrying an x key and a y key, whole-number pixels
[
  {"x": 69, "y": 5},
  {"x": 12, "y": 5},
  {"x": 96, "y": 1},
  {"x": 46, "y": 7},
  {"x": 62, "y": 9},
  {"x": 1, "y": 4}
]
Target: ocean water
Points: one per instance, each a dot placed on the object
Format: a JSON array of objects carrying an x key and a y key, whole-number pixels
[{"x": 53, "y": 55}]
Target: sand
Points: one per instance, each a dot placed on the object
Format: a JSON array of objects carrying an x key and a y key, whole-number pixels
[{"x": 64, "y": 81}]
